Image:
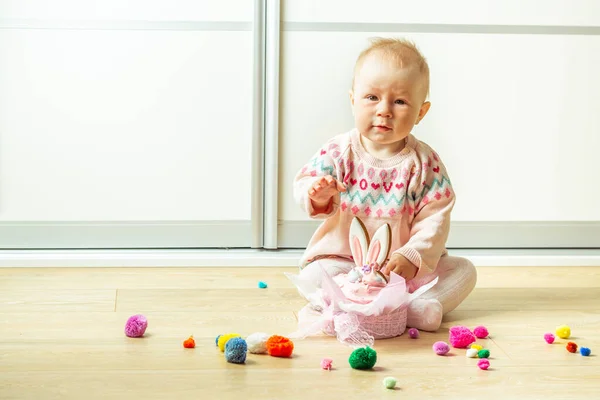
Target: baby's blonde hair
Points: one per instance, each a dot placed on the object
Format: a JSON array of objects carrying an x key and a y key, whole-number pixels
[{"x": 402, "y": 51}]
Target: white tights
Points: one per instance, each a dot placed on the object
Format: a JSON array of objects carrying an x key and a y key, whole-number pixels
[{"x": 457, "y": 278}]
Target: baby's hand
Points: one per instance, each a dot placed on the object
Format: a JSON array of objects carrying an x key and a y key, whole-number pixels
[
  {"x": 321, "y": 192},
  {"x": 401, "y": 266}
]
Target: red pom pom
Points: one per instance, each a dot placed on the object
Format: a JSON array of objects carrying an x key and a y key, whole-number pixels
[
  {"x": 279, "y": 346},
  {"x": 189, "y": 343},
  {"x": 572, "y": 347}
]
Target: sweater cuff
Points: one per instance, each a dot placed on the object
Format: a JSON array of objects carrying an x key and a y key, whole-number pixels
[
  {"x": 331, "y": 208},
  {"x": 413, "y": 256}
]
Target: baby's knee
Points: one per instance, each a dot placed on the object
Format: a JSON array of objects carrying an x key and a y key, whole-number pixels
[
  {"x": 468, "y": 271},
  {"x": 314, "y": 271}
]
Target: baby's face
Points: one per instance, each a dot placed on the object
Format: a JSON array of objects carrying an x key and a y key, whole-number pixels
[{"x": 387, "y": 101}]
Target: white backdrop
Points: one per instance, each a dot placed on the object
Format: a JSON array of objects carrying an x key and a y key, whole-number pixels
[
  {"x": 514, "y": 93},
  {"x": 125, "y": 125}
]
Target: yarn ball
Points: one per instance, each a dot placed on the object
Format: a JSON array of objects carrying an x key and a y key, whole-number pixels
[
  {"x": 475, "y": 346},
  {"x": 472, "y": 353},
  {"x": 262, "y": 285},
  {"x": 441, "y": 348},
  {"x": 572, "y": 347},
  {"x": 413, "y": 333},
  {"x": 136, "y": 326},
  {"x": 483, "y": 364},
  {"x": 223, "y": 339},
  {"x": 279, "y": 346},
  {"x": 585, "y": 351},
  {"x": 217, "y": 340},
  {"x": 257, "y": 343},
  {"x": 549, "y": 338},
  {"x": 326, "y": 363},
  {"x": 235, "y": 350},
  {"x": 460, "y": 337},
  {"x": 483, "y": 353},
  {"x": 189, "y": 343},
  {"x": 563, "y": 332},
  {"x": 363, "y": 358},
  {"x": 481, "y": 332},
  {"x": 389, "y": 382}
]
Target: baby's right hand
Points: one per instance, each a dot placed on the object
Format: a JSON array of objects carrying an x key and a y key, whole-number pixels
[{"x": 321, "y": 192}]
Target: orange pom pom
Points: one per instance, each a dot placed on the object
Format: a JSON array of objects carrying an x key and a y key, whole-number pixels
[
  {"x": 279, "y": 346},
  {"x": 189, "y": 343},
  {"x": 572, "y": 347}
]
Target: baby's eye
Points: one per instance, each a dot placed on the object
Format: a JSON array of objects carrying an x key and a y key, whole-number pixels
[
  {"x": 372, "y": 98},
  {"x": 400, "y": 102}
]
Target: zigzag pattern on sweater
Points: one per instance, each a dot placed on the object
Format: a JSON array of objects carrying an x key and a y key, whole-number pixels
[
  {"x": 321, "y": 165},
  {"x": 436, "y": 183},
  {"x": 381, "y": 197}
]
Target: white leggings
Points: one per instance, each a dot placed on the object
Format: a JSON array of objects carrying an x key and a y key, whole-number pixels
[{"x": 457, "y": 278}]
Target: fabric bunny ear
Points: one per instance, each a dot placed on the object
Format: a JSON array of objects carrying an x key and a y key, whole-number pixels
[
  {"x": 380, "y": 245},
  {"x": 359, "y": 242}
]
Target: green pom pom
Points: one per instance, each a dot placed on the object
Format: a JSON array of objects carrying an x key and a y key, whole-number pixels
[
  {"x": 389, "y": 382},
  {"x": 363, "y": 358},
  {"x": 484, "y": 353}
]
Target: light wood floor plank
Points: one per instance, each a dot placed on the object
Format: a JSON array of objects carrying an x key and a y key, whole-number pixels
[
  {"x": 248, "y": 277},
  {"x": 193, "y": 300},
  {"x": 52, "y": 300},
  {"x": 253, "y": 382}
]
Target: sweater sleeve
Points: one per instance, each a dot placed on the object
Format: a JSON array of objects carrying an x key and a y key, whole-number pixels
[
  {"x": 321, "y": 164},
  {"x": 431, "y": 200}
]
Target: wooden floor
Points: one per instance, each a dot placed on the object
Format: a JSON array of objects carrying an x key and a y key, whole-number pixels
[{"x": 61, "y": 337}]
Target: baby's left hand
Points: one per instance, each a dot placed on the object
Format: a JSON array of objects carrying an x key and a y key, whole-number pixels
[{"x": 401, "y": 266}]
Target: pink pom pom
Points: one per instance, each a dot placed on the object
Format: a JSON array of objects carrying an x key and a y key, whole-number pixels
[
  {"x": 441, "y": 348},
  {"x": 549, "y": 338},
  {"x": 413, "y": 333},
  {"x": 136, "y": 326},
  {"x": 461, "y": 337},
  {"x": 481, "y": 332},
  {"x": 326, "y": 363},
  {"x": 483, "y": 363}
]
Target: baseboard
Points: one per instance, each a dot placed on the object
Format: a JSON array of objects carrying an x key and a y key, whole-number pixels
[
  {"x": 267, "y": 258},
  {"x": 56, "y": 235},
  {"x": 483, "y": 234}
]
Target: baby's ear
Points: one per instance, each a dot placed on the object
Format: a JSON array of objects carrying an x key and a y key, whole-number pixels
[
  {"x": 422, "y": 111},
  {"x": 351, "y": 93}
]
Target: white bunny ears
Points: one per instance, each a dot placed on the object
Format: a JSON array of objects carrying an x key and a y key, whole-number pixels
[{"x": 370, "y": 254}]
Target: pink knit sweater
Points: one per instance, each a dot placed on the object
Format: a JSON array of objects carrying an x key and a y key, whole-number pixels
[{"x": 410, "y": 191}]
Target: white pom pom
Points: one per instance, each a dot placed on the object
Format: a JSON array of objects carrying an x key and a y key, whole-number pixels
[
  {"x": 257, "y": 343},
  {"x": 472, "y": 353}
]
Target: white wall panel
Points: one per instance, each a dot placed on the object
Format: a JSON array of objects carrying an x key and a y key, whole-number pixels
[
  {"x": 514, "y": 117},
  {"x": 156, "y": 10},
  {"x": 509, "y": 12},
  {"x": 125, "y": 125}
]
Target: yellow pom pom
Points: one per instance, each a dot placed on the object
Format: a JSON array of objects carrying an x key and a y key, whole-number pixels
[
  {"x": 476, "y": 347},
  {"x": 223, "y": 339},
  {"x": 563, "y": 332}
]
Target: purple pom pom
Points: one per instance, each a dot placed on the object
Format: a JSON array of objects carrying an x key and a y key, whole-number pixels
[
  {"x": 461, "y": 337},
  {"x": 441, "y": 348},
  {"x": 481, "y": 332},
  {"x": 413, "y": 333},
  {"x": 549, "y": 338},
  {"x": 136, "y": 326}
]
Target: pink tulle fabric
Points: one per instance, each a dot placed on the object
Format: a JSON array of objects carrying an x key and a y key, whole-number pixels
[{"x": 354, "y": 323}]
